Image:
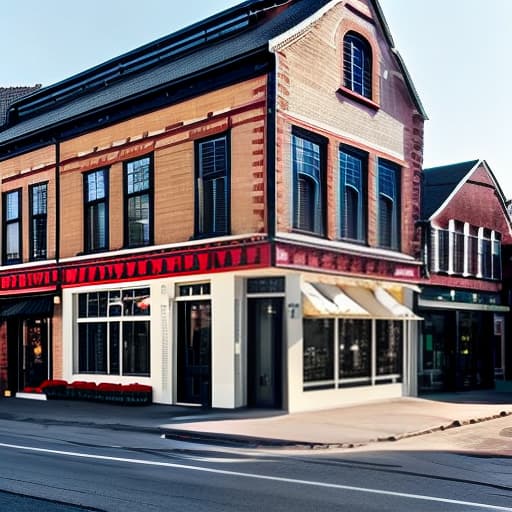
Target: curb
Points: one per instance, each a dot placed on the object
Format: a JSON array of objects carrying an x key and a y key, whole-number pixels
[
  {"x": 238, "y": 440},
  {"x": 439, "y": 428}
]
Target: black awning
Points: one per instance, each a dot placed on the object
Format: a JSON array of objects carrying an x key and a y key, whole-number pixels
[{"x": 26, "y": 307}]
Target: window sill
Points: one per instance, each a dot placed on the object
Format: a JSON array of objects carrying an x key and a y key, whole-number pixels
[
  {"x": 308, "y": 233},
  {"x": 349, "y": 93}
]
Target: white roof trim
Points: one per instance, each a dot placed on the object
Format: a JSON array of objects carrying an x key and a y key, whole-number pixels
[
  {"x": 290, "y": 35},
  {"x": 463, "y": 181},
  {"x": 455, "y": 190}
]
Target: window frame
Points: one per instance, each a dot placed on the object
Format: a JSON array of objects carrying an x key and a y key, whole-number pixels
[
  {"x": 199, "y": 212},
  {"x": 362, "y": 213},
  {"x": 149, "y": 191},
  {"x": 6, "y": 223},
  {"x": 88, "y": 204},
  {"x": 319, "y": 220},
  {"x": 35, "y": 217},
  {"x": 116, "y": 314},
  {"x": 395, "y": 235},
  {"x": 359, "y": 43},
  {"x": 327, "y": 369}
]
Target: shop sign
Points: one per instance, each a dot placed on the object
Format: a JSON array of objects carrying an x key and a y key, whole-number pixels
[
  {"x": 143, "y": 266},
  {"x": 306, "y": 258}
]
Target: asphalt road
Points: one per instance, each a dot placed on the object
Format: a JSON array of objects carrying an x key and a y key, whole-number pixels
[{"x": 130, "y": 472}]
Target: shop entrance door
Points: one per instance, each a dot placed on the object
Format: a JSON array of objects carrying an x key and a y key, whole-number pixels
[
  {"x": 194, "y": 353},
  {"x": 265, "y": 338},
  {"x": 27, "y": 343}
]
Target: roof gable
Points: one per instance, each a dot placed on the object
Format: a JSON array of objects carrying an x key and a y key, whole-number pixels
[{"x": 439, "y": 183}]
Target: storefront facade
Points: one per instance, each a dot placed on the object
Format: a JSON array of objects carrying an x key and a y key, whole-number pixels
[
  {"x": 203, "y": 228},
  {"x": 462, "y": 340}
]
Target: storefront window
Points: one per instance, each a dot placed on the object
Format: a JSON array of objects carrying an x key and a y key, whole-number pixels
[
  {"x": 389, "y": 347},
  {"x": 354, "y": 342},
  {"x": 113, "y": 332},
  {"x": 318, "y": 350},
  {"x": 354, "y": 364}
]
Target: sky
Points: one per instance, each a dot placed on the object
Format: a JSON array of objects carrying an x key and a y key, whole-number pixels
[{"x": 457, "y": 52}]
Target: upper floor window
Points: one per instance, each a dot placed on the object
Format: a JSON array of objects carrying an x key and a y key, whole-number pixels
[
  {"x": 96, "y": 210},
  {"x": 213, "y": 191},
  {"x": 353, "y": 171},
  {"x": 38, "y": 196},
  {"x": 12, "y": 227},
  {"x": 389, "y": 204},
  {"x": 138, "y": 183},
  {"x": 308, "y": 164},
  {"x": 466, "y": 250},
  {"x": 357, "y": 64}
]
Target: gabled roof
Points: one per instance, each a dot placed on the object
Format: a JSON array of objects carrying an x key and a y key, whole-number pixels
[
  {"x": 9, "y": 95},
  {"x": 223, "y": 39},
  {"x": 441, "y": 183}
]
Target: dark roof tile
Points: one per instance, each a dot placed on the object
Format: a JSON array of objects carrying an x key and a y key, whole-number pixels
[{"x": 440, "y": 182}]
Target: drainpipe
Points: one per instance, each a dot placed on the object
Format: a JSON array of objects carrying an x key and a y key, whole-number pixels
[{"x": 57, "y": 204}]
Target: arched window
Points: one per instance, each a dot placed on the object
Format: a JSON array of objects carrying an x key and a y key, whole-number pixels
[
  {"x": 353, "y": 169},
  {"x": 308, "y": 163},
  {"x": 357, "y": 64},
  {"x": 389, "y": 205}
]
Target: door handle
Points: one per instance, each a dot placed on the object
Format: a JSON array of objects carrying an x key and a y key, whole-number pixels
[{"x": 264, "y": 380}]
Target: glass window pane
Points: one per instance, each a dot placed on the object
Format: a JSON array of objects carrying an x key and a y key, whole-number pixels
[
  {"x": 114, "y": 351},
  {"x": 12, "y": 249},
  {"x": 136, "y": 345},
  {"x": 12, "y": 206},
  {"x": 318, "y": 350},
  {"x": 137, "y": 174},
  {"x": 389, "y": 347},
  {"x": 92, "y": 347},
  {"x": 138, "y": 220},
  {"x": 354, "y": 342}
]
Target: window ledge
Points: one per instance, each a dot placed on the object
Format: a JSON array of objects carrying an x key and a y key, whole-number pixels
[{"x": 349, "y": 93}]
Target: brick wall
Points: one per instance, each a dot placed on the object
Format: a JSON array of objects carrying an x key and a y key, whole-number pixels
[
  {"x": 477, "y": 204},
  {"x": 310, "y": 73},
  {"x": 169, "y": 135}
]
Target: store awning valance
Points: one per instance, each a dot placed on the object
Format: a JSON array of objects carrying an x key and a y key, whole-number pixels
[
  {"x": 346, "y": 306},
  {"x": 322, "y": 300},
  {"x": 390, "y": 303},
  {"x": 27, "y": 307}
]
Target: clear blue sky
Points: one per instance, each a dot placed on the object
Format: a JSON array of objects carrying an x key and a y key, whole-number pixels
[{"x": 457, "y": 52}]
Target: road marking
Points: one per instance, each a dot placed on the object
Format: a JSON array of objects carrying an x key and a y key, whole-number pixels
[{"x": 258, "y": 477}]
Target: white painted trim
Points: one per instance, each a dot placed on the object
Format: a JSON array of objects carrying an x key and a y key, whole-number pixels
[
  {"x": 345, "y": 246},
  {"x": 425, "y": 303},
  {"x": 150, "y": 248},
  {"x": 282, "y": 40},
  {"x": 31, "y": 396}
]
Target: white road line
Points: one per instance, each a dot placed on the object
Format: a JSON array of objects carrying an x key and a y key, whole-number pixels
[{"x": 259, "y": 477}]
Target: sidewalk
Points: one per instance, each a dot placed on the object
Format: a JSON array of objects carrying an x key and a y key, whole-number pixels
[{"x": 342, "y": 427}]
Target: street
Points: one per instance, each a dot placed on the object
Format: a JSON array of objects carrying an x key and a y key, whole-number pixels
[{"x": 109, "y": 470}]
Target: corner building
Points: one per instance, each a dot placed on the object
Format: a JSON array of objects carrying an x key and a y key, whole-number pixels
[{"x": 226, "y": 214}]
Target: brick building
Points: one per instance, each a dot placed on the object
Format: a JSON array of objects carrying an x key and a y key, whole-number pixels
[
  {"x": 462, "y": 339},
  {"x": 226, "y": 214}
]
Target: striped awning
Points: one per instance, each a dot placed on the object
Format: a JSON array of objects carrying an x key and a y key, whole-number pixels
[{"x": 322, "y": 300}]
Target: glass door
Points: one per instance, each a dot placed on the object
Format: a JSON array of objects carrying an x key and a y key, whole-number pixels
[
  {"x": 265, "y": 338},
  {"x": 194, "y": 352},
  {"x": 35, "y": 352}
]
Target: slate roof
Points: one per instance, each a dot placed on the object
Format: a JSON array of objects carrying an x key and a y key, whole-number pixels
[
  {"x": 9, "y": 95},
  {"x": 440, "y": 182},
  {"x": 131, "y": 84}
]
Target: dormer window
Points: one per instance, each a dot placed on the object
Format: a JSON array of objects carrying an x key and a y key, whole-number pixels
[{"x": 357, "y": 65}]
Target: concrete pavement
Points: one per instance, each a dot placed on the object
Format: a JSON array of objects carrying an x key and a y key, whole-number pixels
[{"x": 348, "y": 426}]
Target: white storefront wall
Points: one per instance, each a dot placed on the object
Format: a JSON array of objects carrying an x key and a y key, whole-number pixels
[{"x": 229, "y": 345}]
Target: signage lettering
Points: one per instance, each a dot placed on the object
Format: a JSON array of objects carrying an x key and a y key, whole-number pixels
[{"x": 204, "y": 260}]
